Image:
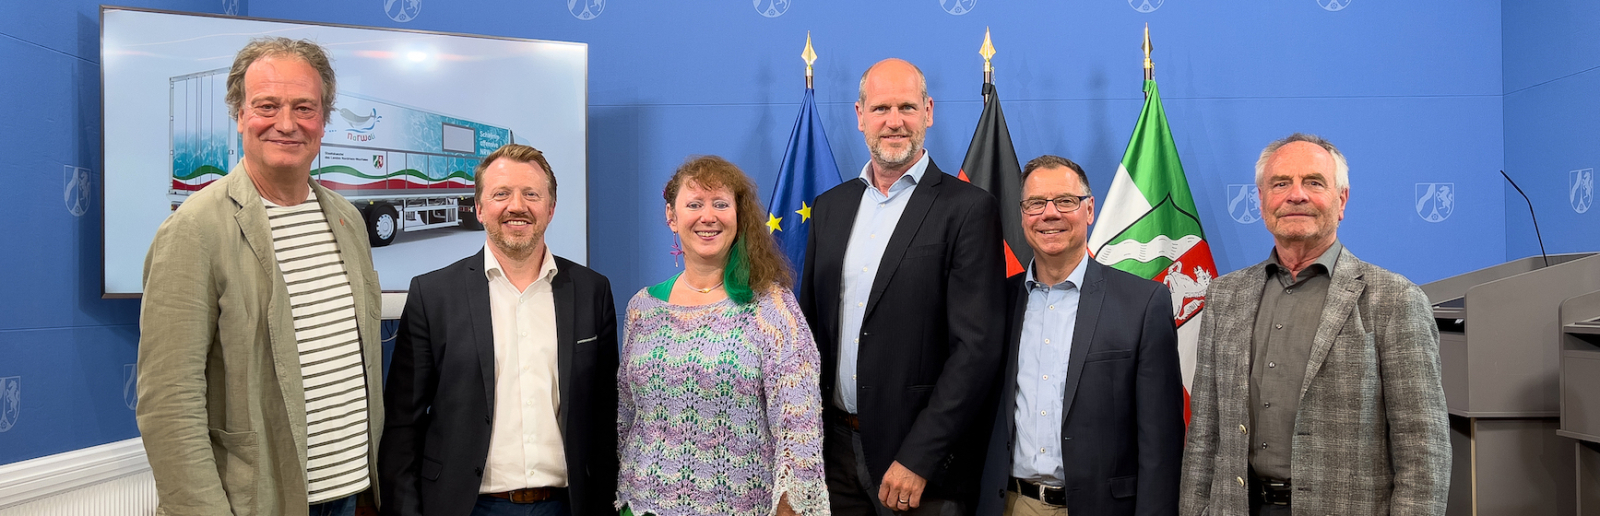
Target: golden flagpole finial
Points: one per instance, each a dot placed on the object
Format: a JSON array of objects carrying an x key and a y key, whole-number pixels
[
  {"x": 1149, "y": 67},
  {"x": 810, "y": 56},
  {"x": 987, "y": 51}
]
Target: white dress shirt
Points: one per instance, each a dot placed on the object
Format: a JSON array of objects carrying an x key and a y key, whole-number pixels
[{"x": 525, "y": 441}]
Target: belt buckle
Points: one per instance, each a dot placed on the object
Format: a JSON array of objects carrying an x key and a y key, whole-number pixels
[
  {"x": 1276, "y": 492},
  {"x": 526, "y": 496},
  {"x": 1043, "y": 489}
]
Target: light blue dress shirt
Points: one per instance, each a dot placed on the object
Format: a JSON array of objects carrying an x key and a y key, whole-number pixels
[
  {"x": 1047, "y": 326},
  {"x": 875, "y": 221}
]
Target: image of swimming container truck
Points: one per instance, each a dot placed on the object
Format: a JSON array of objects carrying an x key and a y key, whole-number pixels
[{"x": 406, "y": 169}]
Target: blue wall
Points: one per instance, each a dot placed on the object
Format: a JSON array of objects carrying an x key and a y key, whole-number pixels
[
  {"x": 1413, "y": 92},
  {"x": 1552, "y": 92}
]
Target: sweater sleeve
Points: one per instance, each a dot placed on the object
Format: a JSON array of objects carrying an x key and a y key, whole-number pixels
[{"x": 794, "y": 404}]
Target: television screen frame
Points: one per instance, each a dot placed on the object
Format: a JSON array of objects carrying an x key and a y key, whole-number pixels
[{"x": 505, "y": 89}]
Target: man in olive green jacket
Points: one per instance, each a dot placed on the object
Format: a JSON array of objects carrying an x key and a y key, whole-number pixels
[{"x": 259, "y": 352}]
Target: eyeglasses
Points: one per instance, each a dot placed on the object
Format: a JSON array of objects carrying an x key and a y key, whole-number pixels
[{"x": 1064, "y": 204}]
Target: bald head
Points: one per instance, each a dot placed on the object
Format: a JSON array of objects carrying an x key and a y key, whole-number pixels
[
  {"x": 894, "y": 113},
  {"x": 892, "y": 70}
]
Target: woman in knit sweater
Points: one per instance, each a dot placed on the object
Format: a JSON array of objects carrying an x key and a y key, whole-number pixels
[{"x": 719, "y": 410}]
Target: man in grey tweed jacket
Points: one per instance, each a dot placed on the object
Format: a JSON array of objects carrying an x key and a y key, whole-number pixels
[{"x": 1316, "y": 389}]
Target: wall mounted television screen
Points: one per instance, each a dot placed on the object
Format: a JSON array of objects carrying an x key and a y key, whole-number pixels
[{"x": 415, "y": 112}]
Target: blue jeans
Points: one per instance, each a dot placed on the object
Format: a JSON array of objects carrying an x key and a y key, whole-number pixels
[
  {"x": 338, "y": 507},
  {"x": 491, "y": 506}
]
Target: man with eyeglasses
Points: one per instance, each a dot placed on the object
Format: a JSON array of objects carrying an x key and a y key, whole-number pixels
[
  {"x": 1090, "y": 414},
  {"x": 1317, "y": 384},
  {"x": 259, "y": 356}
]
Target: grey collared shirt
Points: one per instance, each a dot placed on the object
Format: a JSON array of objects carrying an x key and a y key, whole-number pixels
[
  {"x": 1286, "y": 325},
  {"x": 876, "y": 218}
]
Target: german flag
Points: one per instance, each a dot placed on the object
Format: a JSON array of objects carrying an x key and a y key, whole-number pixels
[{"x": 991, "y": 164}]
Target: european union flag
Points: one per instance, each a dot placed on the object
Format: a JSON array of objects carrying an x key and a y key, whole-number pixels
[{"x": 808, "y": 170}]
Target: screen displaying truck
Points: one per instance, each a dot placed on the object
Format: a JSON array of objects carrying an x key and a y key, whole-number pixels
[
  {"x": 415, "y": 112},
  {"x": 406, "y": 168}
]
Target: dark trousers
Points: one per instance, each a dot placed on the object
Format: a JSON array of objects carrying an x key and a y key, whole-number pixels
[
  {"x": 337, "y": 507},
  {"x": 491, "y": 506},
  {"x": 1260, "y": 508},
  {"x": 851, "y": 489}
]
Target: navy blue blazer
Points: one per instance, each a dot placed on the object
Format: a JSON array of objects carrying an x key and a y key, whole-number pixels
[{"x": 1122, "y": 415}]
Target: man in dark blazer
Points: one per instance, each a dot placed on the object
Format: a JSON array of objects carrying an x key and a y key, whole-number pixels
[
  {"x": 902, "y": 289},
  {"x": 1090, "y": 419},
  {"x": 504, "y": 378}
]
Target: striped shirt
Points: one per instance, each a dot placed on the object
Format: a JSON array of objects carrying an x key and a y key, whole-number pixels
[{"x": 323, "y": 305}]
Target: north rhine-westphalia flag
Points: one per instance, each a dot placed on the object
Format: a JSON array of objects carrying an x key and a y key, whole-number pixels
[
  {"x": 991, "y": 164},
  {"x": 1148, "y": 226},
  {"x": 808, "y": 170}
]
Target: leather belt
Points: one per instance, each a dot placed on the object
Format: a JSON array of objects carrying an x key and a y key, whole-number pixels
[
  {"x": 1048, "y": 495},
  {"x": 531, "y": 494},
  {"x": 847, "y": 418},
  {"x": 1272, "y": 492}
]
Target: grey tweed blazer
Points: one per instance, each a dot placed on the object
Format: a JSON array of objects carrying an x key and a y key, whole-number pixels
[{"x": 1371, "y": 434}]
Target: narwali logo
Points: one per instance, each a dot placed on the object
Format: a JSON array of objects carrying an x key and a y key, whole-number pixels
[
  {"x": 1580, "y": 191},
  {"x": 360, "y": 123},
  {"x": 402, "y": 10},
  {"x": 1244, "y": 203},
  {"x": 1145, "y": 6},
  {"x": 586, "y": 9},
  {"x": 75, "y": 189},
  {"x": 772, "y": 8},
  {"x": 359, "y": 126},
  {"x": 10, "y": 401},
  {"x": 1334, "y": 5},
  {"x": 130, "y": 385},
  {"x": 958, "y": 7},
  {"x": 1435, "y": 201}
]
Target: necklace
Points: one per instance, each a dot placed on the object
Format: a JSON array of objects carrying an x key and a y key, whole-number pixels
[{"x": 706, "y": 290}]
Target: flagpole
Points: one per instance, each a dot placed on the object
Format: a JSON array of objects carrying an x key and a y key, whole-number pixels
[
  {"x": 810, "y": 56},
  {"x": 1149, "y": 67},
  {"x": 987, "y": 51}
]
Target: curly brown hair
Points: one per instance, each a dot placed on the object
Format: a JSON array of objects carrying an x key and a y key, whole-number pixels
[{"x": 768, "y": 267}]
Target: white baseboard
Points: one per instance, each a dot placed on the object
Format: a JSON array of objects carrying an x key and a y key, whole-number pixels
[{"x": 29, "y": 480}]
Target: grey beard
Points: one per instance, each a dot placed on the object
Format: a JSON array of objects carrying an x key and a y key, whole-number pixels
[{"x": 896, "y": 161}]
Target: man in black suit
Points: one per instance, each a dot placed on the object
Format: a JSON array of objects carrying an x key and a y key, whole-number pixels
[
  {"x": 504, "y": 379},
  {"x": 902, "y": 289},
  {"x": 1090, "y": 419}
]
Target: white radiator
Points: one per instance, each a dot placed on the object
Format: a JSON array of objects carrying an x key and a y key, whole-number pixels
[{"x": 107, "y": 480}]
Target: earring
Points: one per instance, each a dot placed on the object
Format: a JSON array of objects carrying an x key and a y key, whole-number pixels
[{"x": 677, "y": 250}]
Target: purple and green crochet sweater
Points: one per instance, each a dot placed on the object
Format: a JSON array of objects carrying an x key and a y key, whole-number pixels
[{"x": 719, "y": 411}]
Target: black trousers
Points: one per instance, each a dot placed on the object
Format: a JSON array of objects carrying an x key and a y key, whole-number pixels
[
  {"x": 1260, "y": 508},
  {"x": 852, "y": 491}
]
